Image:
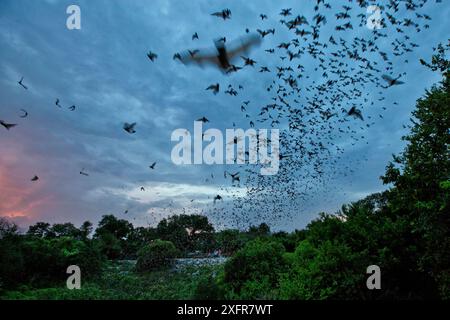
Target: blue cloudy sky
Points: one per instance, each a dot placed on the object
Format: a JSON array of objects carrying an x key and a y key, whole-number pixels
[{"x": 103, "y": 70}]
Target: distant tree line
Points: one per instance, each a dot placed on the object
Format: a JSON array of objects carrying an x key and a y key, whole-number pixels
[{"x": 43, "y": 253}]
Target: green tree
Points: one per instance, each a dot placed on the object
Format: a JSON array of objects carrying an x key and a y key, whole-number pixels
[
  {"x": 157, "y": 255},
  {"x": 230, "y": 240},
  {"x": 253, "y": 272},
  {"x": 263, "y": 230},
  {"x": 64, "y": 230},
  {"x": 7, "y": 228},
  {"x": 187, "y": 232},
  {"x": 329, "y": 271},
  {"x": 85, "y": 230},
  {"x": 138, "y": 238},
  {"x": 40, "y": 230},
  {"x": 11, "y": 258},
  {"x": 113, "y": 234},
  {"x": 421, "y": 177}
]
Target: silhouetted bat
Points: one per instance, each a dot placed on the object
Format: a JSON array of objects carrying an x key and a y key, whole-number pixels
[
  {"x": 7, "y": 125},
  {"x": 223, "y": 56}
]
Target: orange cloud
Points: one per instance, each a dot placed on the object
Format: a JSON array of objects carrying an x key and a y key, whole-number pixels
[{"x": 19, "y": 198}]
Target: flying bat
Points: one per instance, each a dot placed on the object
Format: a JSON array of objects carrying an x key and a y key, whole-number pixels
[
  {"x": 203, "y": 119},
  {"x": 216, "y": 198},
  {"x": 129, "y": 127},
  {"x": 7, "y": 125},
  {"x": 391, "y": 81},
  {"x": 356, "y": 113},
  {"x": 22, "y": 85},
  {"x": 25, "y": 113},
  {"x": 214, "y": 88},
  {"x": 152, "y": 56},
  {"x": 223, "y": 56},
  {"x": 224, "y": 14}
]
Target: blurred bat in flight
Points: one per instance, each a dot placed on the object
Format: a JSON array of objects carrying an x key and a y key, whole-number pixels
[{"x": 223, "y": 56}]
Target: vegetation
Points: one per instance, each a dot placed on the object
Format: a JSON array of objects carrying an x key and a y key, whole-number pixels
[
  {"x": 120, "y": 282},
  {"x": 253, "y": 271},
  {"x": 404, "y": 230},
  {"x": 157, "y": 255}
]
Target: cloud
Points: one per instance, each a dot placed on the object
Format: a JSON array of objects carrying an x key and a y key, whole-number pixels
[{"x": 103, "y": 70}]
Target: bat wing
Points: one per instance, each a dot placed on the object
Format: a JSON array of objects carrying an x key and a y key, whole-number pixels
[
  {"x": 200, "y": 59},
  {"x": 386, "y": 77},
  {"x": 244, "y": 46}
]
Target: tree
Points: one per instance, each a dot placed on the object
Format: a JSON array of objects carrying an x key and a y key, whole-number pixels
[
  {"x": 113, "y": 234},
  {"x": 7, "y": 228},
  {"x": 289, "y": 240},
  {"x": 421, "y": 179},
  {"x": 85, "y": 230},
  {"x": 230, "y": 241},
  {"x": 64, "y": 230},
  {"x": 157, "y": 255},
  {"x": 330, "y": 262},
  {"x": 253, "y": 272},
  {"x": 187, "y": 232},
  {"x": 329, "y": 271},
  {"x": 118, "y": 227},
  {"x": 138, "y": 238},
  {"x": 40, "y": 230},
  {"x": 262, "y": 230},
  {"x": 11, "y": 258},
  {"x": 207, "y": 289}
]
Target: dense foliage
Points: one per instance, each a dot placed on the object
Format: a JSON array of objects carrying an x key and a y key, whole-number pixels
[
  {"x": 253, "y": 271},
  {"x": 156, "y": 255},
  {"x": 41, "y": 258}
]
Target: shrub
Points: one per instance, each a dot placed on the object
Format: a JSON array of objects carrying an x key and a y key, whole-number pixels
[
  {"x": 253, "y": 271},
  {"x": 12, "y": 269},
  {"x": 39, "y": 261},
  {"x": 157, "y": 255},
  {"x": 230, "y": 241},
  {"x": 207, "y": 289},
  {"x": 330, "y": 271}
]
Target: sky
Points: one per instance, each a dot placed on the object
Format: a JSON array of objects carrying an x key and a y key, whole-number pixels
[{"x": 103, "y": 70}]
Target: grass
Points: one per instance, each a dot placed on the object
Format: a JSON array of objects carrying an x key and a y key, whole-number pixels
[{"x": 121, "y": 282}]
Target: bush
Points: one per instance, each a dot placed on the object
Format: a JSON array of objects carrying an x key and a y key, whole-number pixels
[
  {"x": 12, "y": 266},
  {"x": 230, "y": 241},
  {"x": 157, "y": 255},
  {"x": 40, "y": 262},
  {"x": 207, "y": 289},
  {"x": 330, "y": 271},
  {"x": 47, "y": 260},
  {"x": 252, "y": 273}
]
